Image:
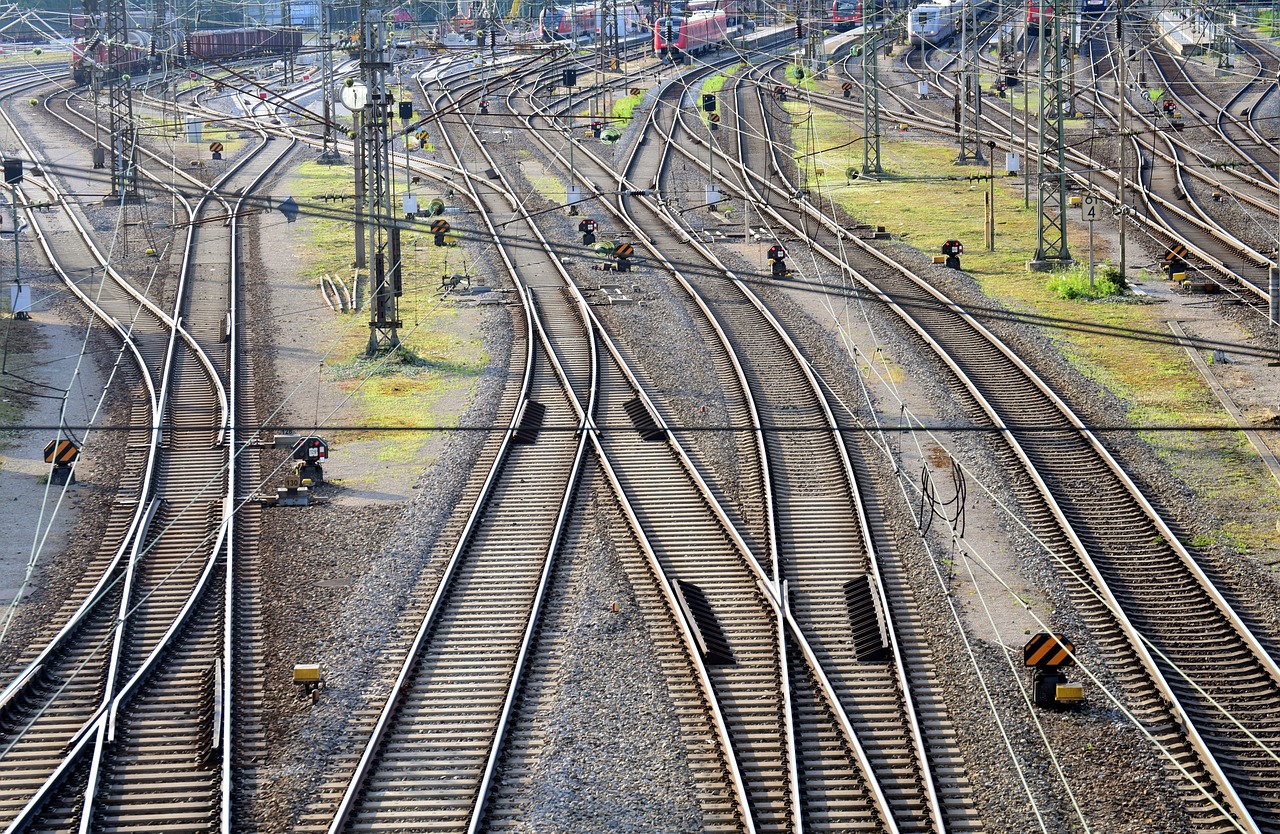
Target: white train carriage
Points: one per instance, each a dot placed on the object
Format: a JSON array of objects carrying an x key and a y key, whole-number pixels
[{"x": 937, "y": 22}]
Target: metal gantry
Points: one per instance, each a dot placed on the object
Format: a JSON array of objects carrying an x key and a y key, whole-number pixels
[
  {"x": 383, "y": 249},
  {"x": 968, "y": 98},
  {"x": 123, "y": 131},
  {"x": 1051, "y": 229},
  {"x": 871, "y": 107}
]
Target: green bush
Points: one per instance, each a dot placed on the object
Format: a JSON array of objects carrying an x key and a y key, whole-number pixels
[{"x": 1074, "y": 283}]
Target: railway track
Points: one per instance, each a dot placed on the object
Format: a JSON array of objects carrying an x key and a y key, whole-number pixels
[
  {"x": 1107, "y": 554},
  {"x": 818, "y": 601},
  {"x": 163, "y": 585},
  {"x": 764, "y": 581},
  {"x": 568, "y": 361}
]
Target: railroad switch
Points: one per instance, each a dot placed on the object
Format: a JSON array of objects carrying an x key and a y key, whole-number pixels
[
  {"x": 1050, "y": 654},
  {"x": 309, "y": 680}
]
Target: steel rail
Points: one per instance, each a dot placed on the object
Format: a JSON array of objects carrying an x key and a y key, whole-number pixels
[
  {"x": 365, "y": 763},
  {"x": 1138, "y": 642},
  {"x": 594, "y": 328},
  {"x": 768, "y": 583},
  {"x": 586, "y": 428}
]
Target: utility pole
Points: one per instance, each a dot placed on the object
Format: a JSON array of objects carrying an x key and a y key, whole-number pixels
[
  {"x": 871, "y": 106},
  {"x": 1051, "y": 224},
  {"x": 383, "y": 249},
  {"x": 970, "y": 95},
  {"x": 123, "y": 136},
  {"x": 329, "y": 152},
  {"x": 1124, "y": 138}
]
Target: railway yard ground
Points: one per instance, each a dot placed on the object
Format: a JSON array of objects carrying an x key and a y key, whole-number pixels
[
  {"x": 341, "y": 568},
  {"x": 346, "y": 580}
]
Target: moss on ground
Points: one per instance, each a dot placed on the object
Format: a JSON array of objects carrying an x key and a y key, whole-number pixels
[
  {"x": 442, "y": 355},
  {"x": 1125, "y": 348}
]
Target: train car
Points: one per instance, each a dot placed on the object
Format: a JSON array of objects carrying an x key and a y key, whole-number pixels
[
  {"x": 731, "y": 8},
  {"x": 568, "y": 23},
  {"x": 233, "y": 44},
  {"x": 845, "y": 14},
  {"x": 933, "y": 23},
  {"x": 1038, "y": 11},
  {"x": 587, "y": 21},
  {"x": 1092, "y": 7},
  {"x": 677, "y": 38},
  {"x": 938, "y": 21}
]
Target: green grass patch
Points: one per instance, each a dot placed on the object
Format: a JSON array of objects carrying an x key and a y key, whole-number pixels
[
  {"x": 1074, "y": 284},
  {"x": 925, "y": 199},
  {"x": 441, "y": 356},
  {"x": 625, "y": 106},
  {"x": 716, "y": 83}
]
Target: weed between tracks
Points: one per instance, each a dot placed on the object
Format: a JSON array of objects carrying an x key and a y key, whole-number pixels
[
  {"x": 442, "y": 353},
  {"x": 925, "y": 199}
]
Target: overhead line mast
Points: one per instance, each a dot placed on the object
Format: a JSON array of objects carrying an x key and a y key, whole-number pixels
[
  {"x": 123, "y": 138},
  {"x": 871, "y": 97},
  {"x": 383, "y": 249},
  {"x": 969, "y": 98},
  {"x": 1051, "y": 227}
]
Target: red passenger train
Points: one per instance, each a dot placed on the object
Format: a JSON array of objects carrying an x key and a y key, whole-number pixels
[
  {"x": 846, "y": 13},
  {"x": 1039, "y": 11},
  {"x": 678, "y": 37}
]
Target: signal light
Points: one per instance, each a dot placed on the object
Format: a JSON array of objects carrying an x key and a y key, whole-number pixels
[
  {"x": 708, "y": 102},
  {"x": 570, "y": 78}
]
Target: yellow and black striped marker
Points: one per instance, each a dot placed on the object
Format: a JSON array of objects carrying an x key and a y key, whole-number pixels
[
  {"x": 1177, "y": 253},
  {"x": 61, "y": 452},
  {"x": 1048, "y": 651}
]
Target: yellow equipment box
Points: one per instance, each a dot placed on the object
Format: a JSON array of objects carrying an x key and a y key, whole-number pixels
[
  {"x": 309, "y": 673},
  {"x": 1069, "y": 693}
]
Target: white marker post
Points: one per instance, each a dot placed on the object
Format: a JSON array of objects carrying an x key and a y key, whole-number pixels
[{"x": 1089, "y": 213}]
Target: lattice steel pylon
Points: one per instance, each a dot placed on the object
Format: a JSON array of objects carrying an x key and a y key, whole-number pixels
[
  {"x": 609, "y": 46},
  {"x": 1222, "y": 42},
  {"x": 871, "y": 107},
  {"x": 380, "y": 225},
  {"x": 123, "y": 136},
  {"x": 329, "y": 152},
  {"x": 969, "y": 97},
  {"x": 1051, "y": 226}
]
